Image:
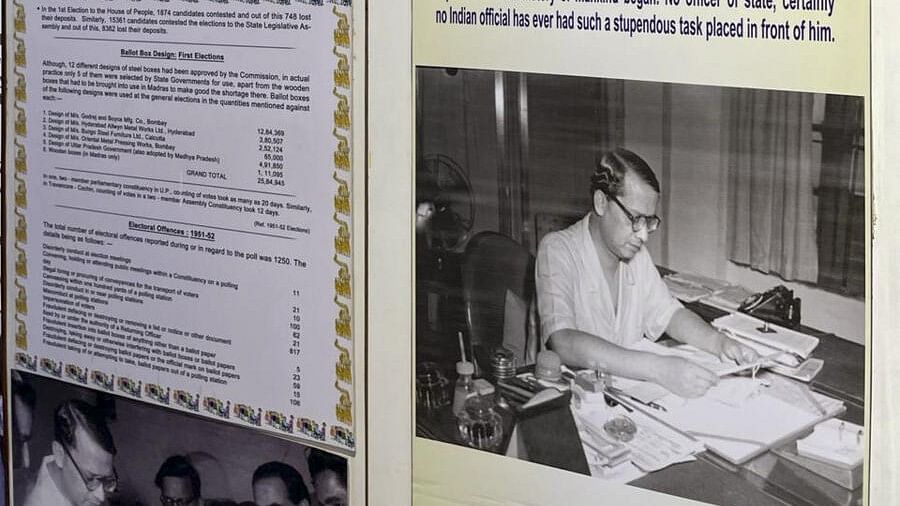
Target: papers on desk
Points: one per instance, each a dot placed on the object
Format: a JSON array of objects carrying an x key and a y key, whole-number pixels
[
  {"x": 689, "y": 287},
  {"x": 729, "y": 299},
  {"x": 741, "y": 417},
  {"x": 836, "y": 442},
  {"x": 686, "y": 292},
  {"x": 738, "y": 418},
  {"x": 741, "y": 431},
  {"x": 767, "y": 338},
  {"x": 687, "y": 278},
  {"x": 693, "y": 287},
  {"x": 653, "y": 447}
]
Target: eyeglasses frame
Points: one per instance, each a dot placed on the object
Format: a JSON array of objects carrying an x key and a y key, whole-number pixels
[
  {"x": 170, "y": 501},
  {"x": 635, "y": 224},
  {"x": 100, "y": 482}
]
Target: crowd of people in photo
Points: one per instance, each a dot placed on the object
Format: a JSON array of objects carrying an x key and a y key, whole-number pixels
[{"x": 81, "y": 469}]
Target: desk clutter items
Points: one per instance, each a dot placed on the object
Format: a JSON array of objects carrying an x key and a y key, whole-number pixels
[
  {"x": 619, "y": 439},
  {"x": 432, "y": 387},
  {"x": 729, "y": 298},
  {"x": 777, "y": 305},
  {"x": 503, "y": 364},
  {"x": 805, "y": 372},
  {"x": 689, "y": 287},
  {"x": 465, "y": 385},
  {"x": 737, "y": 419},
  {"x": 835, "y": 442},
  {"x": 834, "y": 451},
  {"x": 741, "y": 417},
  {"x": 503, "y": 367},
  {"x": 480, "y": 426},
  {"x": 548, "y": 366},
  {"x": 604, "y": 451},
  {"x": 522, "y": 387},
  {"x": 483, "y": 387},
  {"x": 767, "y": 338},
  {"x": 621, "y": 442},
  {"x": 546, "y": 433}
]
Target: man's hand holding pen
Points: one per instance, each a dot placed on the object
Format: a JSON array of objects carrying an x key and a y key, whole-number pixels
[{"x": 732, "y": 350}]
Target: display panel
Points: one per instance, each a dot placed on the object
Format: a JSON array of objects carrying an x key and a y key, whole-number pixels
[
  {"x": 179, "y": 193},
  {"x": 130, "y": 450},
  {"x": 510, "y": 243}
]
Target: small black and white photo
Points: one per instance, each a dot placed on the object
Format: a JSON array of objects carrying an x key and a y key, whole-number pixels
[
  {"x": 654, "y": 284},
  {"x": 77, "y": 446}
]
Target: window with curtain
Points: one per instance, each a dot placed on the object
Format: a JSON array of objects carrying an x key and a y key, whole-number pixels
[
  {"x": 796, "y": 186},
  {"x": 838, "y": 129},
  {"x": 771, "y": 180}
]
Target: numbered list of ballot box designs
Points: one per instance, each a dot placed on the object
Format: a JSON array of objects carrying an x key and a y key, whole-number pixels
[{"x": 179, "y": 199}]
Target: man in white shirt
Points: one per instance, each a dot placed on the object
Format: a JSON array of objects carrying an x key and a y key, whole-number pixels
[
  {"x": 599, "y": 292},
  {"x": 79, "y": 471}
]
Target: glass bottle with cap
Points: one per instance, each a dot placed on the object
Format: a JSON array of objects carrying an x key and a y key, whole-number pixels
[{"x": 464, "y": 385}]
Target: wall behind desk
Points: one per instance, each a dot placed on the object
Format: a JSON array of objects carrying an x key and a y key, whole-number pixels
[
  {"x": 677, "y": 128},
  {"x": 691, "y": 119}
]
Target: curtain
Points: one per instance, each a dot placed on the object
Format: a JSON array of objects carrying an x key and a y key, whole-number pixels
[
  {"x": 841, "y": 193},
  {"x": 771, "y": 206}
]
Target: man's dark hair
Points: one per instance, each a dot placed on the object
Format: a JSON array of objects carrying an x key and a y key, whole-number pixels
[
  {"x": 609, "y": 173},
  {"x": 178, "y": 466},
  {"x": 319, "y": 461},
  {"x": 76, "y": 413},
  {"x": 292, "y": 480},
  {"x": 24, "y": 392}
]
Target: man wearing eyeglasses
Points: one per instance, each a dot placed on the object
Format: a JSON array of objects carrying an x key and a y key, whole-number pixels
[
  {"x": 79, "y": 471},
  {"x": 599, "y": 292},
  {"x": 329, "y": 477},
  {"x": 178, "y": 482},
  {"x": 279, "y": 484}
]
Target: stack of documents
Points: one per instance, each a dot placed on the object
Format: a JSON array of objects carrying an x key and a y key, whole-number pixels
[
  {"x": 836, "y": 442},
  {"x": 654, "y": 446},
  {"x": 729, "y": 298},
  {"x": 692, "y": 287},
  {"x": 767, "y": 338},
  {"x": 711, "y": 284},
  {"x": 737, "y": 419},
  {"x": 834, "y": 451}
]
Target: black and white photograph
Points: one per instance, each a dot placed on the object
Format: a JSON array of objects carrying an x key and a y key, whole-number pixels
[
  {"x": 77, "y": 446},
  {"x": 654, "y": 284}
]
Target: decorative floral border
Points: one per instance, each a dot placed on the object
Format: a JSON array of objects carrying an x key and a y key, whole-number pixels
[
  {"x": 19, "y": 175},
  {"x": 164, "y": 395},
  {"x": 343, "y": 293}
]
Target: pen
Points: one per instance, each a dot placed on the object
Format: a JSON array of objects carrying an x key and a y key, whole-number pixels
[
  {"x": 650, "y": 404},
  {"x": 614, "y": 401},
  {"x": 765, "y": 361}
]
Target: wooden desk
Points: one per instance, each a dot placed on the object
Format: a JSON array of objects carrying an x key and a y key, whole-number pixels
[{"x": 765, "y": 480}]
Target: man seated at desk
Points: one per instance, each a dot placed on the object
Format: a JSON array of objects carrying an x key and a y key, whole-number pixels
[{"x": 599, "y": 292}]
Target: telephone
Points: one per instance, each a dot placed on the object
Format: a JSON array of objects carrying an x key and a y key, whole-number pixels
[{"x": 778, "y": 306}]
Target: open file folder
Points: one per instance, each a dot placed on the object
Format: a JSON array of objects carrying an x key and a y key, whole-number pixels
[{"x": 736, "y": 430}]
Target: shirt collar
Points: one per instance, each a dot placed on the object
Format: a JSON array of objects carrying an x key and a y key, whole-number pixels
[{"x": 593, "y": 263}]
